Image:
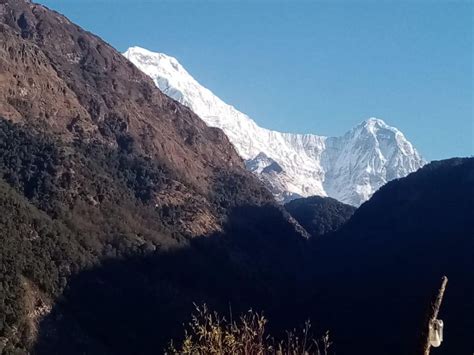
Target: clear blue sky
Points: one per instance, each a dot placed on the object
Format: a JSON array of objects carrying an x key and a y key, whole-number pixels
[{"x": 314, "y": 67}]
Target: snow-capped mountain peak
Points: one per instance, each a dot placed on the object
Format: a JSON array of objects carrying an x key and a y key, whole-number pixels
[
  {"x": 171, "y": 77},
  {"x": 349, "y": 168}
]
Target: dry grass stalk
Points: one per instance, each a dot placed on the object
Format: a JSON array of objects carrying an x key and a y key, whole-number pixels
[{"x": 209, "y": 333}]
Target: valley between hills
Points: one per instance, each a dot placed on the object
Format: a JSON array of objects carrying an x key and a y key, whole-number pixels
[{"x": 124, "y": 205}]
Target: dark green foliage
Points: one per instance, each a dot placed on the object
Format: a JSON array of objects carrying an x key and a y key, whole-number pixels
[
  {"x": 80, "y": 229},
  {"x": 35, "y": 248},
  {"x": 78, "y": 181},
  {"x": 137, "y": 305},
  {"x": 93, "y": 208},
  {"x": 319, "y": 215},
  {"x": 383, "y": 267},
  {"x": 30, "y": 165},
  {"x": 232, "y": 190}
]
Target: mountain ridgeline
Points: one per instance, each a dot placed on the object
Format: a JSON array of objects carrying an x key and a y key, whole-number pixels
[
  {"x": 392, "y": 254},
  {"x": 100, "y": 165},
  {"x": 349, "y": 168},
  {"x": 320, "y": 215},
  {"x": 120, "y": 208}
]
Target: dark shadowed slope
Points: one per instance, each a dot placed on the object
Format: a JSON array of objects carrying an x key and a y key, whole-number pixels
[
  {"x": 119, "y": 208},
  {"x": 319, "y": 215},
  {"x": 370, "y": 283},
  {"x": 378, "y": 273},
  {"x": 136, "y": 305},
  {"x": 114, "y": 169}
]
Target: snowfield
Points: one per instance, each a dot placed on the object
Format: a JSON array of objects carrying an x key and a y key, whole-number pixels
[{"x": 349, "y": 168}]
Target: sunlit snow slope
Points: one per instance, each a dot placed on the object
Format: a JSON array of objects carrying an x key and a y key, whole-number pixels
[{"x": 348, "y": 168}]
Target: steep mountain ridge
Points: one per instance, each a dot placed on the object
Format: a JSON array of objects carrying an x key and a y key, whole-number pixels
[
  {"x": 58, "y": 74},
  {"x": 96, "y": 165},
  {"x": 119, "y": 208},
  {"x": 391, "y": 255},
  {"x": 365, "y": 158},
  {"x": 349, "y": 168},
  {"x": 58, "y": 78},
  {"x": 70, "y": 207},
  {"x": 369, "y": 283}
]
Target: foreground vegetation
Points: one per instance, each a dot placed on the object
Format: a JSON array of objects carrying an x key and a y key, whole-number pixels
[{"x": 210, "y": 333}]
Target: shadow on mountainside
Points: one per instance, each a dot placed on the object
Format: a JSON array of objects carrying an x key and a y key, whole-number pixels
[
  {"x": 136, "y": 305},
  {"x": 370, "y": 284},
  {"x": 380, "y": 271}
]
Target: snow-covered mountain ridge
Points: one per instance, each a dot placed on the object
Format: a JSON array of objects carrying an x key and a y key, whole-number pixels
[{"x": 349, "y": 168}]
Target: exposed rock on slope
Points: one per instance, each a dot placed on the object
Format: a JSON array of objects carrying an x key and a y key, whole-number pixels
[
  {"x": 97, "y": 164},
  {"x": 119, "y": 208},
  {"x": 60, "y": 78},
  {"x": 56, "y": 73}
]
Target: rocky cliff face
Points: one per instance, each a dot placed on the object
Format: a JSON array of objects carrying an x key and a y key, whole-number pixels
[
  {"x": 348, "y": 168},
  {"x": 119, "y": 208},
  {"x": 56, "y": 77},
  {"x": 97, "y": 164},
  {"x": 56, "y": 73}
]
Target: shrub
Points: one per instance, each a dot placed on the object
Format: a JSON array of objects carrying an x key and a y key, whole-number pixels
[{"x": 210, "y": 333}]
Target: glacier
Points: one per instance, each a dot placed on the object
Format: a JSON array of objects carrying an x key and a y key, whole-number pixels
[{"x": 349, "y": 168}]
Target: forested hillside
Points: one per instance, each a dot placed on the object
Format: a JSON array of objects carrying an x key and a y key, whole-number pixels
[
  {"x": 320, "y": 215},
  {"x": 115, "y": 170},
  {"x": 381, "y": 270},
  {"x": 120, "y": 208}
]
